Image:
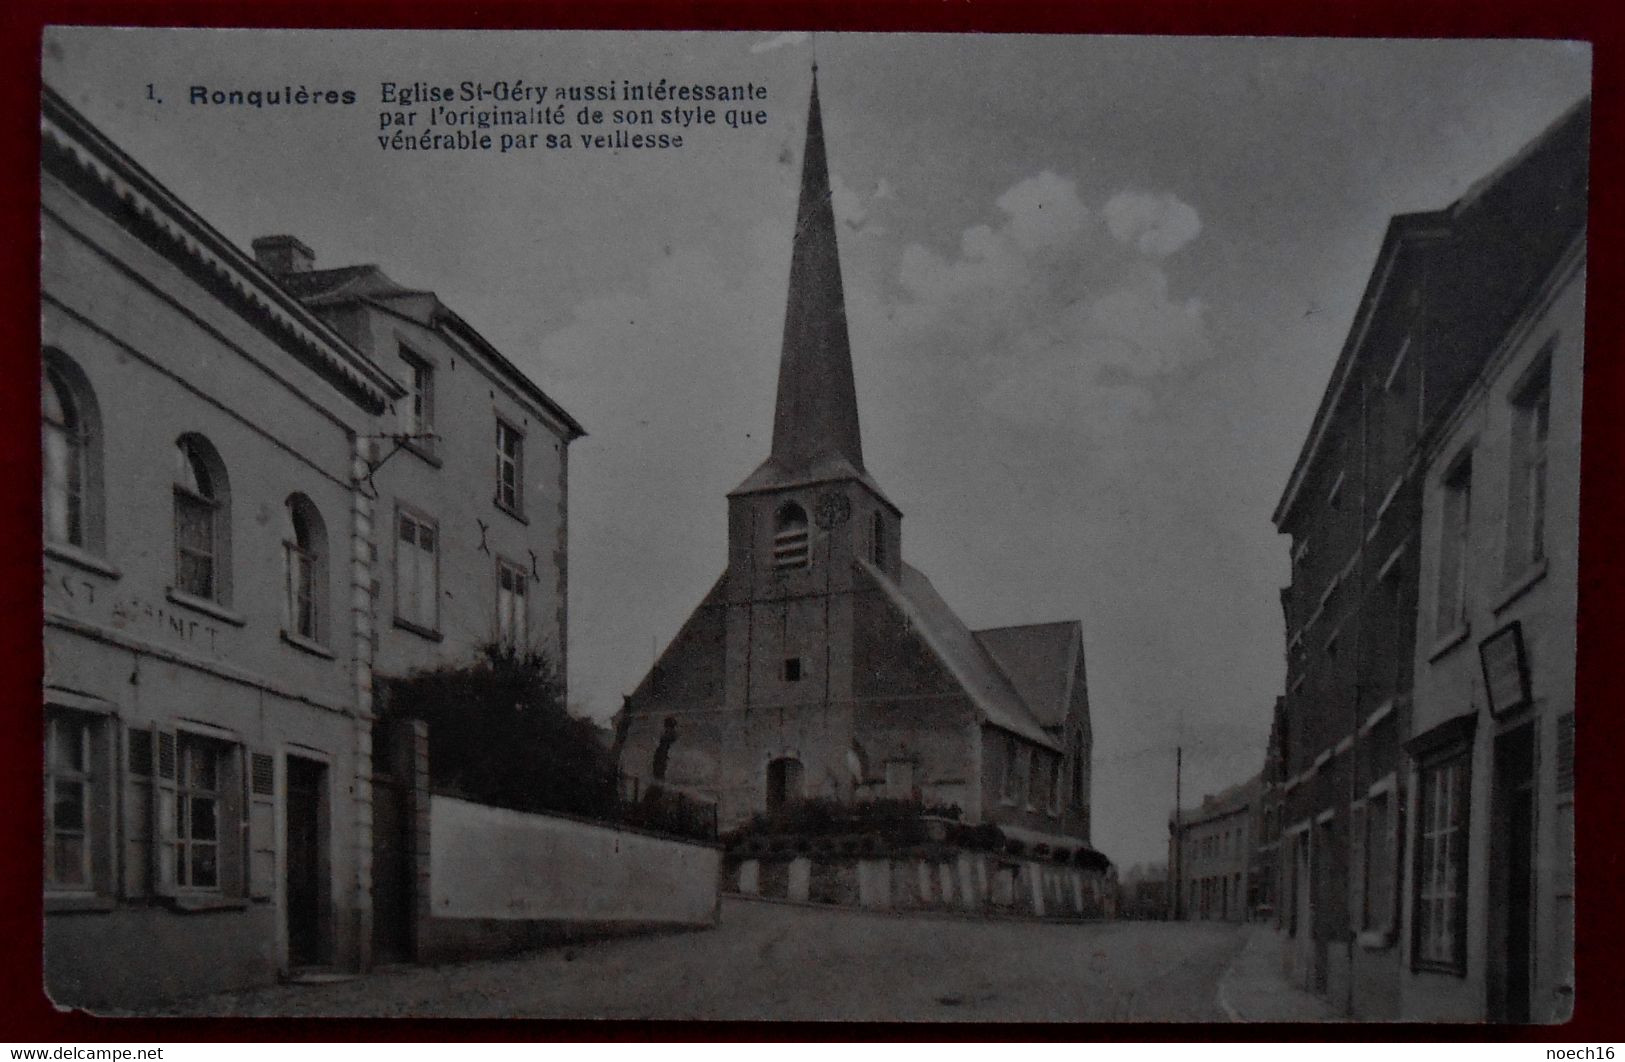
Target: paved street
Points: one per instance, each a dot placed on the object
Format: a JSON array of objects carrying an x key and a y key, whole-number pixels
[{"x": 776, "y": 961}]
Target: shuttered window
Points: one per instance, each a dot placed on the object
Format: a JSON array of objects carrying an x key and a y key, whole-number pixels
[
  {"x": 513, "y": 612},
  {"x": 417, "y": 571}
]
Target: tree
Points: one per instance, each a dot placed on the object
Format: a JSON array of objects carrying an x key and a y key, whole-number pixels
[{"x": 499, "y": 733}]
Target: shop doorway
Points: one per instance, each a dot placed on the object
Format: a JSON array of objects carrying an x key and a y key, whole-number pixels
[
  {"x": 309, "y": 905},
  {"x": 1512, "y": 879}
]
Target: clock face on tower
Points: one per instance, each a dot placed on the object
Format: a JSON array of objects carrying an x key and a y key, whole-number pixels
[{"x": 830, "y": 509}]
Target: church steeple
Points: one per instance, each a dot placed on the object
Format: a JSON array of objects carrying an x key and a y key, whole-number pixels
[{"x": 815, "y": 422}]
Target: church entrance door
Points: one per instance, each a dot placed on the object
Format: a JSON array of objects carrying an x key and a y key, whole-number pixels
[{"x": 783, "y": 782}]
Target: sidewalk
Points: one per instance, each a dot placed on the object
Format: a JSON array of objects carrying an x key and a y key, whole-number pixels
[{"x": 1253, "y": 988}]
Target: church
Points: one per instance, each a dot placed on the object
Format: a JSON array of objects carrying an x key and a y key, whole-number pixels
[{"x": 820, "y": 664}]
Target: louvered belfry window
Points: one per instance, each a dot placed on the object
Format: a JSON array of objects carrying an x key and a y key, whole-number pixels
[{"x": 792, "y": 543}]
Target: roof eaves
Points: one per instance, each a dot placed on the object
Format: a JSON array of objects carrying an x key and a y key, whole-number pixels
[
  {"x": 208, "y": 256},
  {"x": 1026, "y": 727},
  {"x": 518, "y": 378},
  {"x": 1402, "y": 229}
]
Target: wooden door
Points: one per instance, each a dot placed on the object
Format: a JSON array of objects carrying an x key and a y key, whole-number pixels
[{"x": 306, "y": 861}]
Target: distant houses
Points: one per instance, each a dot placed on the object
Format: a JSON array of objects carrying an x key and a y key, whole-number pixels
[{"x": 1210, "y": 856}]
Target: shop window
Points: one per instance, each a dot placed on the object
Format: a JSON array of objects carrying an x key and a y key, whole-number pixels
[
  {"x": 198, "y": 826},
  {"x": 76, "y": 805},
  {"x": 1440, "y": 893}
]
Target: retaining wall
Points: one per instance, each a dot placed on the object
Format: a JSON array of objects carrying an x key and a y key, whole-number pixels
[{"x": 502, "y": 881}]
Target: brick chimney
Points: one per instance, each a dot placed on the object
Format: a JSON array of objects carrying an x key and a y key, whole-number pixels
[{"x": 281, "y": 255}]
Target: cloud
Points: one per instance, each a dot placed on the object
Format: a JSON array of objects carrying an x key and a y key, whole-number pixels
[
  {"x": 1043, "y": 322},
  {"x": 674, "y": 378},
  {"x": 782, "y": 40},
  {"x": 849, "y": 208},
  {"x": 1043, "y": 211},
  {"x": 1156, "y": 225}
]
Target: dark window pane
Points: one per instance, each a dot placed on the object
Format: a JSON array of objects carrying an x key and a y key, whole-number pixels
[
  {"x": 204, "y": 871},
  {"x": 69, "y": 861},
  {"x": 69, "y": 806},
  {"x": 203, "y": 820},
  {"x": 203, "y": 769}
]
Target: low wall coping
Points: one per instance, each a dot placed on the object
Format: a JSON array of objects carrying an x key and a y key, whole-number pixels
[{"x": 585, "y": 820}]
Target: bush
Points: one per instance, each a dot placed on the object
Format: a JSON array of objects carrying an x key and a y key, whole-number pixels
[
  {"x": 499, "y": 734},
  {"x": 822, "y": 817},
  {"x": 866, "y": 828}
]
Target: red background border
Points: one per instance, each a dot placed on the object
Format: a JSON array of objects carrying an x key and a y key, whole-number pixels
[{"x": 25, "y": 1013}]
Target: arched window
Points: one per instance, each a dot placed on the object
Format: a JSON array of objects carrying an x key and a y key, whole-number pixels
[
  {"x": 783, "y": 781},
  {"x": 202, "y": 521},
  {"x": 70, "y": 453},
  {"x": 792, "y": 547},
  {"x": 1080, "y": 771},
  {"x": 306, "y": 548}
]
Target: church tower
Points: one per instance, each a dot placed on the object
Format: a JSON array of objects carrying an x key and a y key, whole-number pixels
[
  {"x": 820, "y": 664},
  {"x": 799, "y": 522}
]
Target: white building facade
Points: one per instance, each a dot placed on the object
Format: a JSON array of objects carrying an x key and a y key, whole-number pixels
[{"x": 1488, "y": 911}]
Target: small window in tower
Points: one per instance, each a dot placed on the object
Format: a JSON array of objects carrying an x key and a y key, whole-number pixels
[
  {"x": 792, "y": 545},
  {"x": 792, "y": 669},
  {"x": 877, "y": 539}
]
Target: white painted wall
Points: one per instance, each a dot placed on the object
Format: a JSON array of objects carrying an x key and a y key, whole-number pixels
[{"x": 487, "y": 862}]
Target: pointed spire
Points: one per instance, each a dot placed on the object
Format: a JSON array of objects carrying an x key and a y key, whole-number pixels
[{"x": 817, "y": 412}]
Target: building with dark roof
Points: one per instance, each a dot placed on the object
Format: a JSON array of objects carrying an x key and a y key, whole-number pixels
[
  {"x": 207, "y": 586},
  {"x": 1448, "y": 289},
  {"x": 470, "y": 465},
  {"x": 261, "y": 484},
  {"x": 821, "y": 664},
  {"x": 1489, "y": 759},
  {"x": 1210, "y": 855}
]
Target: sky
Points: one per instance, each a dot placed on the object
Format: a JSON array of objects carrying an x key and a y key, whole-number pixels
[{"x": 1095, "y": 288}]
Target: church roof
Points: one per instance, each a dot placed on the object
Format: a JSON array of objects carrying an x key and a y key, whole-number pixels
[
  {"x": 971, "y": 665},
  {"x": 1041, "y": 661},
  {"x": 815, "y": 419},
  {"x": 773, "y": 475}
]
